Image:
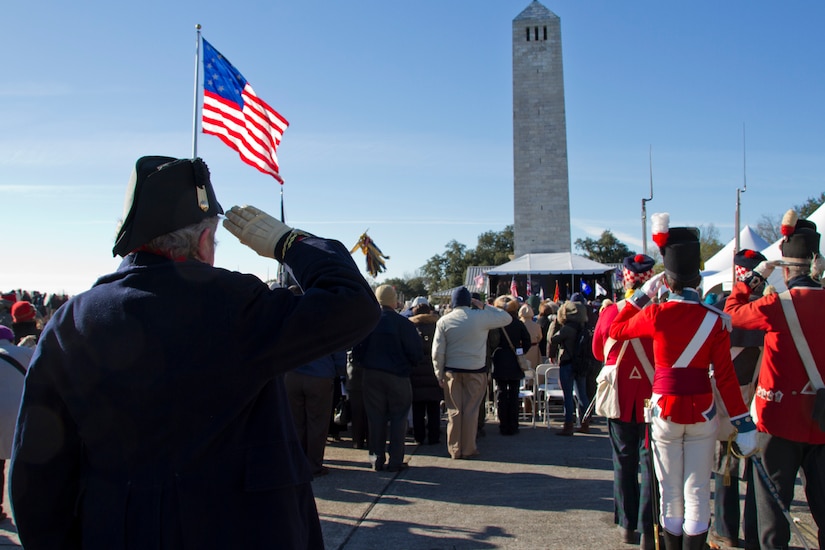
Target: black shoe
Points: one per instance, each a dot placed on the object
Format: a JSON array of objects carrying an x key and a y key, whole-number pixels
[
  {"x": 399, "y": 468},
  {"x": 628, "y": 535},
  {"x": 378, "y": 467},
  {"x": 320, "y": 473}
]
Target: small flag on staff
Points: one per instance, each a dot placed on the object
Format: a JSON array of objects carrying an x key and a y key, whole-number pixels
[
  {"x": 586, "y": 288},
  {"x": 600, "y": 291},
  {"x": 513, "y": 287},
  {"x": 556, "y": 293},
  {"x": 529, "y": 287},
  {"x": 233, "y": 112}
]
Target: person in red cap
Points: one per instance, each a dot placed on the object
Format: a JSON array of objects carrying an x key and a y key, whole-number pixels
[
  {"x": 633, "y": 500},
  {"x": 154, "y": 413},
  {"x": 789, "y": 399},
  {"x": 24, "y": 321},
  {"x": 688, "y": 337}
]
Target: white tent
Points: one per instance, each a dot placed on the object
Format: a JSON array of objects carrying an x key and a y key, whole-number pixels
[
  {"x": 550, "y": 263},
  {"x": 718, "y": 272},
  {"x": 539, "y": 273},
  {"x": 748, "y": 238}
]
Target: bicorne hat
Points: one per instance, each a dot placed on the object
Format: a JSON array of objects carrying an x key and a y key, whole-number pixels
[{"x": 164, "y": 194}]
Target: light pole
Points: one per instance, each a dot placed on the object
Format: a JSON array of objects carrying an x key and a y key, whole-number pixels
[
  {"x": 739, "y": 191},
  {"x": 644, "y": 205}
]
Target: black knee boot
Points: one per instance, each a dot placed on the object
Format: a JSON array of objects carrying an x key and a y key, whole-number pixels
[
  {"x": 694, "y": 542},
  {"x": 672, "y": 542}
]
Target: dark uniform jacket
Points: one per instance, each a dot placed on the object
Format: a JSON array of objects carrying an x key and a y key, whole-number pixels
[
  {"x": 394, "y": 346},
  {"x": 154, "y": 414}
]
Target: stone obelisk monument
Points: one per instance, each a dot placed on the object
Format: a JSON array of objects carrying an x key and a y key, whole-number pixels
[{"x": 542, "y": 199}]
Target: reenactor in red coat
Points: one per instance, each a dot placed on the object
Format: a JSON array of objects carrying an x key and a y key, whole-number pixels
[
  {"x": 789, "y": 405},
  {"x": 688, "y": 337}
]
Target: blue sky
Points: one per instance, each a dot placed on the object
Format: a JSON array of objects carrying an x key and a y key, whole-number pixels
[{"x": 401, "y": 119}]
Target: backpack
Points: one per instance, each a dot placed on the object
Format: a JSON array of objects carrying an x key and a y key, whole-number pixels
[{"x": 584, "y": 362}]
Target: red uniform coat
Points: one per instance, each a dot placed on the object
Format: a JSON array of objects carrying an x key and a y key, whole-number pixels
[
  {"x": 784, "y": 397},
  {"x": 633, "y": 384},
  {"x": 672, "y": 325}
]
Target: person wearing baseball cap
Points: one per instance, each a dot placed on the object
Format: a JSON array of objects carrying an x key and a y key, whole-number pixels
[
  {"x": 789, "y": 402},
  {"x": 633, "y": 500},
  {"x": 688, "y": 337},
  {"x": 156, "y": 399}
]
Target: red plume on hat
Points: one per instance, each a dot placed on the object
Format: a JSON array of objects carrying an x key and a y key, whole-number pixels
[
  {"x": 789, "y": 223},
  {"x": 660, "y": 227}
]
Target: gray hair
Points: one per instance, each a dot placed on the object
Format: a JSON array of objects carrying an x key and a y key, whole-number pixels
[{"x": 182, "y": 243}]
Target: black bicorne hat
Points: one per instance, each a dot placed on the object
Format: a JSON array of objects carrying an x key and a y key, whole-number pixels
[
  {"x": 681, "y": 255},
  {"x": 164, "y": 194}
]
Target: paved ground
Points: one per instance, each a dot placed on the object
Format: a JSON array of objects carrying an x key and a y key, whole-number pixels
[{"x": 529, "y": 491}]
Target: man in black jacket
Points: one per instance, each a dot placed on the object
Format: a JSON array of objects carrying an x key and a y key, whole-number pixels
[
  {"x": 388, "y": 356},
  {"x": 155, "y": 404}
]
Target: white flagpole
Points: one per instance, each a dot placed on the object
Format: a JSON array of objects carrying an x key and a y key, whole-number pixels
[{"x": 197, "y": 79}]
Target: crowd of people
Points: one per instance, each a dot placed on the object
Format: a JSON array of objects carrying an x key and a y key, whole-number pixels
[{"x": 174, "y": 391}]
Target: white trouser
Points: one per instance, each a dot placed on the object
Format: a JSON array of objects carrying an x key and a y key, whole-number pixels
[{"x": 683, "y": 455}]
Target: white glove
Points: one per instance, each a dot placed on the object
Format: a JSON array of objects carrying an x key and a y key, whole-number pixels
[
  {"x": 649, "y": 291},
  {"x": 764, "y": 269},
  {"x": 745, "y": 435},
  {"x": 652, "y": 285},
  {"x": 255, "y": 228}
]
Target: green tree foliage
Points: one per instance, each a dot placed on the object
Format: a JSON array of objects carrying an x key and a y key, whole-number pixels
[
  {"x": 809, "y": 206},
  {"x": 606, "y": 250},
  {"x": 445, "y": 271},
  {"x": 709, "y": 243},
  {"x": 768, "y": 226},
  {"x": 407, "y": 289}
]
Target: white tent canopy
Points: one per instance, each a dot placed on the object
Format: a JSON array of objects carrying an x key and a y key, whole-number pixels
[
  {"x": 718, "y": 272},
  {"x": 748, "y": 238},
  {"x": 550, "y": 263}
]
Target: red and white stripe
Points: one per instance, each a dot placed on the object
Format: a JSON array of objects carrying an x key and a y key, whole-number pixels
[{"x": 254, "y": 132}]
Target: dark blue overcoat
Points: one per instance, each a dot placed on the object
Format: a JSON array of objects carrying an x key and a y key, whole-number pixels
[{"x": 154, "y": 413}]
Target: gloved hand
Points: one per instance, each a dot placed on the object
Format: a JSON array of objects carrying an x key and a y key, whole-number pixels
[
  {"x": 255, "y": 228},
  {"x": 745, "y": 434},
  {"x": 649, "y": 290},
  {"x": 756, "y": 278}
]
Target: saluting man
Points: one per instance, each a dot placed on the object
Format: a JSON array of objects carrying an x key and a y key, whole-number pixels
[
  {"x": 633, "y": 502},
  {"x": 746, "y": 353},
  {"x": 786, "y": 399},
  {"x": 688, "y": 337},
  {"x": 154, "y": 414}
]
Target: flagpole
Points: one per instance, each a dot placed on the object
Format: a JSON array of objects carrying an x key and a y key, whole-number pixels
[{"x": 197, "y": 79}]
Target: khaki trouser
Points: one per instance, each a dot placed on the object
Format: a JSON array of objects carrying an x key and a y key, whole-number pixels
[{"x": 463, "y": 394}]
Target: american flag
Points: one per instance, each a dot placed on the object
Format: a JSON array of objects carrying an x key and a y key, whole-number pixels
[
  {"x": 233, "y": 112},
  {"x": 513, "y": 287}
]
